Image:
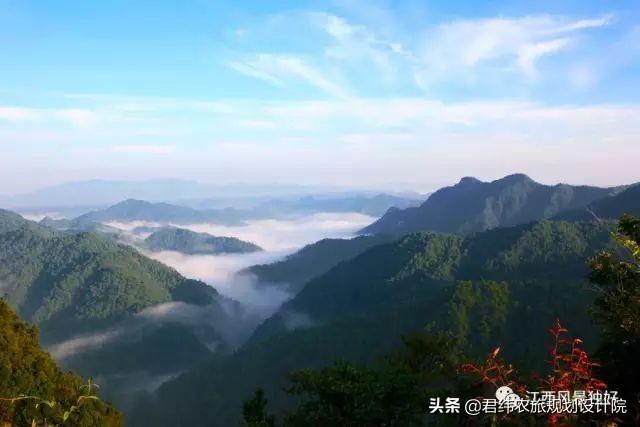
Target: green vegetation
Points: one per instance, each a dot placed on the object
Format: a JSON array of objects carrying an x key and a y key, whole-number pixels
[
  {"x": 617, "y": 309},
  {"x": 71, "y": 283},
  {"x": 190, "y": 242},
  {"x": 34, "y": 390},
  {"x": 395, "y": 391},
  {"x": 314, "y": 260},
  {"x": 472, "y": 205},
  {"x": 484, "y": 290}
]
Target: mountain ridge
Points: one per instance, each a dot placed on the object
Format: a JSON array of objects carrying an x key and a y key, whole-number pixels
[{"x": 472, "y": 205}]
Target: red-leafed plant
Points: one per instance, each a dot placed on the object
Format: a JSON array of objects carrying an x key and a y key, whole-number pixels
[
  {"x": 495, "y": 371},
  {"x": 572, "y": 370}
]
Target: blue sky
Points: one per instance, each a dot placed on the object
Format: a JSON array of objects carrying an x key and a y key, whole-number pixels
[{"x": 353, "y": 93}]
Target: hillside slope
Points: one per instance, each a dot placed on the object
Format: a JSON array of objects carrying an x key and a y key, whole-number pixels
[
  {"x": 472, "y": 205},
  {"x": 190, "y": 242},
  {"x": 313, "y": 260},
  {"x": 27, "y": 370},
  {"x": 73, "y": 282},
  {"x": 488, "y": 289},
  {"x": 612, "y": 207}
]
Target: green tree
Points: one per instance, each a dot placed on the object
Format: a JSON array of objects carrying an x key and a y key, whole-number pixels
[
  {"x": 618, "y": 310},
  {"x": 254, "y": 411},
  {"x": 33, "y": 389},
  {"x": 394, "y": 392}
]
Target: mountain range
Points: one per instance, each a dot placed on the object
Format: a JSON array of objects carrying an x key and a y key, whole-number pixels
[
  {"x": 624, "y": 202},
  {"x": 107, "y": 311},
  {"x": 488, "y": 289},
  {"x": 72, "y": 282},
  {"x": 472, "y": 205},
  {"x": 488, "y": 262},
  {"x": 140, "y": 210}
]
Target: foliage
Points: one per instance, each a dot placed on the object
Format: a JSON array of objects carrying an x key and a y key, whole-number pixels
[
  {"x": 393, "y": 392},
  {"x": 254, "y": 411},
  {"x": 571, "y": 371},
  {"x": 314, "y": 260},
  {"x": 358, "y": 310},
  {"x": 617, "y": 309},
  {"x": 70, "y": 283},
  {"x": 33, "y": 388}
]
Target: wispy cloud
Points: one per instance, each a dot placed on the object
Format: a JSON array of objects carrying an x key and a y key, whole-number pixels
[
  {"x": 453, "y": 52},
  {"x": 277, "y": 68},
  {"x": 499, "y": 43},
  {"x": 464, "y": 45}
]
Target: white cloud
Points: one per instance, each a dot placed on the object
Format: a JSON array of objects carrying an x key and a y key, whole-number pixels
[
  {"x": 277, "y": 69},
  {"x": 528, "y": 54},
  {"x": 357, "y": 42},
  {"x": 463, "y": 45}
]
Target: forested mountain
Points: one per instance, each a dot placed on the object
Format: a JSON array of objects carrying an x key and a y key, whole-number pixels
[
  {"x": 190, "y": 242},
  {"x": 314, "y": 260},
  {"x": 27, "y": 370},
  {"x": 612, "y": 207},
  {"x": 487, "y": 289},
  {"x": 107, "y": 311},
  {"x": 72, "y": 282},
  {"x": 472, "y": 205},
  {"x": 139, "y": 210}
]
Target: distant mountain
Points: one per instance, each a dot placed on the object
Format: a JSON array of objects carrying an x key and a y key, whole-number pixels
[
  {"x": 612, "y": 207},
  {"x": 107, "y": 192},
  {"x": 73, "y": 282},
  {"x": 139, "y": 210},
  {"x": 313, "y": 260},
  {"x": 367, "y": 204},
  {"x": 190, "y": 242},
  {"x": 27, "y": 370},
  {"x": 488, "y": 289},
  {"x": 472, "y": 205}
]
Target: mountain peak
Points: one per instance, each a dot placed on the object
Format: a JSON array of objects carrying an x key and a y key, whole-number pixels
[
  {"x": 132, "y": 202},
  {"x": 468, "y": 180},
  {"x": 516, "y": 177}
]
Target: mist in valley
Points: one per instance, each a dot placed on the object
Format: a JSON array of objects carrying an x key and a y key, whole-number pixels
[{"x": 242, "y": 305}]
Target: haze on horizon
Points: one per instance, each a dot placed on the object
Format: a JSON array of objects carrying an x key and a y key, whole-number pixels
[{"x": 349, "y": 93}]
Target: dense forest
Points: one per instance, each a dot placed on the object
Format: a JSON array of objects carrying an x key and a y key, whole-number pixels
[
  {"x": 485, "y": 290},
  {"x": 34, "y": 391},
  {"x": 73, "y": 282},
  {"x": 375, "y": 326},
  {"x": 394, "y": 390}
]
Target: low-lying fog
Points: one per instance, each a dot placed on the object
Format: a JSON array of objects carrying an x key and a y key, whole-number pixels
[
  {"x": 277, "y": 237},
  {"x": 257, "y": 301}
]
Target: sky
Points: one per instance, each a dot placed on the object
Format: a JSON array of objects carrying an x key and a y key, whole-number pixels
[{"x": 366, "y": 94}]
